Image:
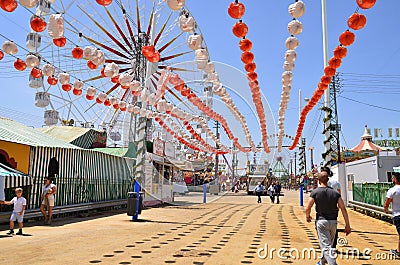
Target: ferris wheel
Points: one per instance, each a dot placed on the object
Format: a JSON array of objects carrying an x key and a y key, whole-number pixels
[{"x": 90, "y": 60}]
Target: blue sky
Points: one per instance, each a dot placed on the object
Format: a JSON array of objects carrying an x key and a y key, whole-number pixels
[{"x": 370, "y": 71}]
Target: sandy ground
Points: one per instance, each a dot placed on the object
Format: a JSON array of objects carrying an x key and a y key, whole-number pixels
[{"x": 229, "y": 229}]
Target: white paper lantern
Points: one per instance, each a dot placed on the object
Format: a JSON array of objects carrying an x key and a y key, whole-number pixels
[
  {"x": 48, "y": 69},
  {"x": 55, "y": 26},
  {"x": 288, "y": 66},
  {"x": 10, "y": 47},
  {"x": 290, "y": 56},
  {"x": 89, "y": 52},
  {"x": 91, "y": 91},
  {"x": 102, "y": 96},
  {"x": 125, "y": 79},
  {"x": 111, "y": 70},
  {"x": 32, "y": 61},
  {"x": 33, "y": 41},
  {"x": 78, "y": 84},
  {"x": 122, "y": 104},
  {"x": 175, "y": 4},
  {"x": 186, "y": 23},
  {"x": 64, "y": 78},
  {"x": 295, "y": 27},
  {"x": 98, "y": 57},
  {"x": 287, "y": 75},
  {"x": 292, "y": 43},
  {"x": 130, "y": 108},
  {"x": 42, "y": 99},
  {"x": 28, "y": 3},
  {"x": 297, "y": 9},
  {"x": 134, "y": 85},
  {"x": 195, "y": 41},
  {"x": 201, "y": 58}
]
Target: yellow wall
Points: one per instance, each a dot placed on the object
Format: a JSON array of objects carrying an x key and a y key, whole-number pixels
[{"x": 18, "y": 152}]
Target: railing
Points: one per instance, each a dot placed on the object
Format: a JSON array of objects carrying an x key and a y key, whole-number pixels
[{"x": 369, "y": 198}]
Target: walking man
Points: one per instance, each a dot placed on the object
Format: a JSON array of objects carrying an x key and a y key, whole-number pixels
[
  {"x": 335, "y": 185},
  {"x": 277, "y": 191},
  {"x": 259, "y": 189},
  {"x": 393, "y": 196},
  {"x": 327, "y": 202}
]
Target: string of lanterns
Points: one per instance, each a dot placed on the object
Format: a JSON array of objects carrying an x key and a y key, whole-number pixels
[
  {"x": 295, "y": 27},
  {"x": 355, "y": 22},
  {"x": 236, "y": 10}
]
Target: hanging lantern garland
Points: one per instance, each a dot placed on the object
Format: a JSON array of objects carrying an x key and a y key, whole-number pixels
[
  {"x": 236, "y": 10},
  {"x": 356, "y": 22},
  {"x": 295, "y": 27}
]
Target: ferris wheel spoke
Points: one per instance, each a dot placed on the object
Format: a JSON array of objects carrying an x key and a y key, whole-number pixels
[
  {"x": 174, "y": 56},
  {"x": 106, "y": 32},
  {"x": 169, "y": 43},
  {"x": 119, "y": 29},
  {"x": 161, "y": 30}
]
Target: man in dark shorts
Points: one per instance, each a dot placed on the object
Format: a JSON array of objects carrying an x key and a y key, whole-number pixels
[
  {"x": 393, "y": 196},
  {"x": 327, "y": 203}
]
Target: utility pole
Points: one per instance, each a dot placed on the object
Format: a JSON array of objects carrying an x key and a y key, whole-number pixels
[{"x": 216, "y": 155}]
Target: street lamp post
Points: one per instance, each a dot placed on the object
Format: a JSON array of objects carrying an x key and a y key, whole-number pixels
[{"x": 311, "y": 148}]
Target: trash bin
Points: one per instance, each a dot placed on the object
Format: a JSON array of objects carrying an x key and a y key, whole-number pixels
[{"x": 131, "y": 207}]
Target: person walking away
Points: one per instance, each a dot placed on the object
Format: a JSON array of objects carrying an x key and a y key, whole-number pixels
[
  {"x": 393, "y": 196},
  {"x": 47, "y": 198},
  {"x": 277, "y": 191},
  {"x": 271, "y": 191},
  {"x": 259, "y": 190},
  {"x": 18, "y": 211},
  {"x": 327, "y": 203},
  {"x": 335, "y": 185}
]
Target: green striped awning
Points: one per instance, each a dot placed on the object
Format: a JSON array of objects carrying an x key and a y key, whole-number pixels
[{"x": 14, "y": 178}]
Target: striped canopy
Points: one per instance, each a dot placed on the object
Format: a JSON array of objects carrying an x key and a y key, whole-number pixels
[{"x": 14, "y": 178}]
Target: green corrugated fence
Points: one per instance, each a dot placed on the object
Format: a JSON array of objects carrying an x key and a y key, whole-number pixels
[{"x": 371, "y": 193}]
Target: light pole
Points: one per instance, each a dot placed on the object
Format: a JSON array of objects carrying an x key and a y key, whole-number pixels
[{"x": 311, "y": 148}]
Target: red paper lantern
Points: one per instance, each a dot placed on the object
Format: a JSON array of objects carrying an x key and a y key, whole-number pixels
[
  {"x": 102, "y": 72},
  {"x": 116, "y": 106},
  {"x": 245, "y": 45},
  {"x": 148, "y": 50},
  {"x": 1, "y": 55},
  {"x": 123, "y": 109},
  {"x": 240, "y": 29},
  {"x": 180, "y": 86},
  {"x": 335, "y": 62},
  {"x": 20, "y": 65},
  {"x": 326, "y": 80},
  {"x": 38, "y": 24},
  {"x": 347, "y": 38},
  {"x": 340, "y": 52},
  {"x": 356, "y": 21},
  {"x": 77, "y": 53},
  {"x": 66, "y": 87},
  {"x": 125, "y": 87},
  {"x": 250, "y": 67},
  {"x": 8, "y": 5},
  {"x": 365, "y": 4},
  {"x": 329, "y": 71},
  {"x": 252, "y": 76},
  {"x": 107, "y": 103},
  {"x": 77, "y": 92},
  {"x": 115, "y": 79},
  {"x": 155, "y": 57},
  {"x": 247, "y": 57},
  {"x": 236, "y": 10},
  {"x": 52, "y": 80},
  {"x": 99, "y": 101},
  {"x": 91, "y": 65},
  {"x": 60, "y": 42},
  {"x": 185, "y": 92},
  {"x": 104, "y": 2},
  {"x": 89, "y": 97},
  {"x": 36, "y": 72}
]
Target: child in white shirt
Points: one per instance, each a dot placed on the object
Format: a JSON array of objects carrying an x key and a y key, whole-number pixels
[{"x": 18, "y": 212}]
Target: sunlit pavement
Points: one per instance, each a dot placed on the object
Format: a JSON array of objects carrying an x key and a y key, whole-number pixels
[{"x": 229, "y": 229}]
